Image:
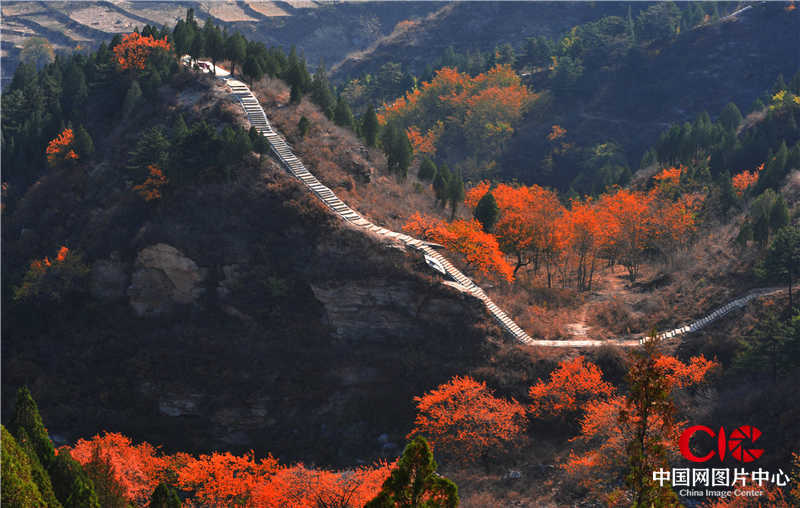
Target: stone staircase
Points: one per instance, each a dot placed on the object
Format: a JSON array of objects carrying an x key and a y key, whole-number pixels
[
  {"x": 295, "y": 167},
  {"x": 282, "y": 150}
]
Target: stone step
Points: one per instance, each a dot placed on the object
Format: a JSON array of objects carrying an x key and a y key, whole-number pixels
[{"x": 258, "y": 119}]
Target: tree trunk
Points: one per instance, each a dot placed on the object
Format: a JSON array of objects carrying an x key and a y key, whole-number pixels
[{"x": 520, "y": 264}]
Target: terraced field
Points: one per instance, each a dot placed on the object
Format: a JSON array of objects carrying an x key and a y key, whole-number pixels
[{"x": 321, "y": 30}]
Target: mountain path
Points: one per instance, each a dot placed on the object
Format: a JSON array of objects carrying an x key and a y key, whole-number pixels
[{"x": 294, "y": 166}]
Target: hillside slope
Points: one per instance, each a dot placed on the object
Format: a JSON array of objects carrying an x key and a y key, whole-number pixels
[
  {"x": 624, "y": 96},
  {"x": 472, "y": 26},
  {"x": 702, "y": 70},
  {"x": 230, "y": 315}
]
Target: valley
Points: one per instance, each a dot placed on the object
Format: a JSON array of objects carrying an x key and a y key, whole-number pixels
[{"x": 234, "y": 277}]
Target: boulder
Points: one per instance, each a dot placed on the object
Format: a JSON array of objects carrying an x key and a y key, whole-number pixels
[{"x": 163, "y": 276}]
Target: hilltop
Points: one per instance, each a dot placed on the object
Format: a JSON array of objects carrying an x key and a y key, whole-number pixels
[{"x": 325, "y": 31}]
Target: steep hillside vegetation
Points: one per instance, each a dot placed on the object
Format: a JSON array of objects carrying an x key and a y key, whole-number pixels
[
  {"x": 612, "y": 80},
  {"x": 223, "y": 307}
]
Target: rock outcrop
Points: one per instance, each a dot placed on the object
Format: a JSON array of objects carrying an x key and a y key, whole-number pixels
[
  {"x": 163, "y": 277},
  {"x": 379, "y": 308}
]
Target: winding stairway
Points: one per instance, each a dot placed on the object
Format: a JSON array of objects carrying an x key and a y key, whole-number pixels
[{"x": 282, "y": 150}]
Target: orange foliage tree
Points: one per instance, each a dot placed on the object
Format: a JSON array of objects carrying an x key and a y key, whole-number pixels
[
  {"x": 137, "y": 468},
  {"x": 746, "y": 179},
  {"x": 669, "y": 177},
  {"x": 582, "y": 233},
  {"x": 627, "y": 221},
  {"x": 224, "y": 479},
  {"x": 571, "y": 386},
  {"x": 480, "y": 111},
  {"x": 463, "y": 419},
  {"x": 533, "y": 227},
  {"x": 527, "y": 228},
  {"x": 134, "y": 50},
  {"x": 302, "y": 487},
  {"x": 673, "y": 222},
  {"x": 425, "y": 144},
  {"x": 61, "y": 149},
  {"x": 556, "y": 132},
  {"x": 466, "y": 237},
  {"x": 609, "y": 420},
  {"x": 150, "y": 189}
]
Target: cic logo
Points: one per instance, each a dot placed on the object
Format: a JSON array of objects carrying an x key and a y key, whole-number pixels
[{"x": 737, "y": 443}]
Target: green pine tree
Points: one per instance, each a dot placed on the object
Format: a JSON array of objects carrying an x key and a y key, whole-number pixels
[
  {"x": 782, "y": 260},
  {"x": 441, "y": 184},
  {"x": 730, "y": 117},
  {"x": 215, "y": 44},
  {"x": 727, "y": 195},
  {"x": 414, "y": 483},
  {"x": 342, "y": 115},
  {"x": 321, "y": 93},
  {"x": 26, "y": 418},
  {"x": 259, "y": 142},
  {"x": 774, "y": 345},
  {"x": 774, "y": 170},
  {"x": 252, "y": 69},
  {"x": 779, "y": 214},
  {"x": 198, "y": 47},
  {"x": 179, "y": 128},
  {"x": 18, "y": 488},
  {"x": 761, "y": 229},
  {"x": 398, "y": 149},
  {"x": 132, "y": 98},
  {"x": 370, "y": 126},
  {"x": 84, "y": 145},
  {"x": 236, "y": 50},
  {"x": 427, "y": 170},
  {"x": 745, "y": 234},
  {"x": 295, "y": 94},
  {"x": 303, "y": 126},
  {"x": 455, "y": 193},
  {"x": 110, "y": 494},
  {"x": 164, "y": 497},
  {"x": 40, "y": 476},
  {"x": 487, "y": 212},
  {"x": 71, "y": 484}
]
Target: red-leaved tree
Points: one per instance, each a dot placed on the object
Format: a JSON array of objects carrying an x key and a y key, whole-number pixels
[
  {"x": 478, "y": 248},
  {"x": 573, "y": 384},
  {"x": 134, "y": 50},
  {"x": 464, "y": 420},
  {"x": 61, "y": 149},
  {"x": 612, "y": 424}
]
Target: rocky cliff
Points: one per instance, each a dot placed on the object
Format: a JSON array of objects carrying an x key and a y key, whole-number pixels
[{"x": 234, "y": 316}]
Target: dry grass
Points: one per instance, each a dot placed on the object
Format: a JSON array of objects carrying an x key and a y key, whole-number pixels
[
  {"x": 356, "y": 173},
  {"x": 709, "y": 273},
  {"x": 406, "y": 30},
  {"x": 269, "y": 9}
]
